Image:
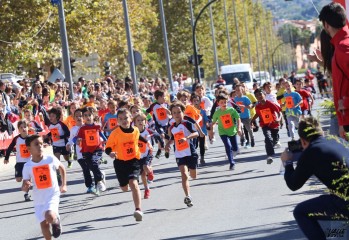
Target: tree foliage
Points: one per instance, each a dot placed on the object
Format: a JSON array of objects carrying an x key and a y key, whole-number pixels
[{"x": 30, "y": 33}]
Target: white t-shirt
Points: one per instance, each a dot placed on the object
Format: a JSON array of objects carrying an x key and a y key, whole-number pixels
[
  {"x": 44, "y": 179},
  {"x": 207, "y": 105},
  {"x": 272, "y": 98},
  {"x": 73, "y": 133}
]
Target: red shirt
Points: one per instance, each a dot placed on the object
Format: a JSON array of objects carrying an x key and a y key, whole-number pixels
[
  {"x": 340, "y": 74},
  {"x": 90, "y": 139},
  {"x": 305, "y": 95},
  {"x": 267, "y": 113}
]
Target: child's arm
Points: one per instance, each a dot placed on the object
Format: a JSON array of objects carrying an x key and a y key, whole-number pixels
[
  {"x": 9, "y": 150},
  {"x": 63, "y": 173},
  {"x": 65, "y": 130},
  {"x": 239, "y": 127}
]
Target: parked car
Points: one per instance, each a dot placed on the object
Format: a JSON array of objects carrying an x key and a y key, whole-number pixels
[{"x": 13, "y": 78}]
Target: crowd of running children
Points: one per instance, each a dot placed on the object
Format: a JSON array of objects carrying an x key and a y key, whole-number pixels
[{"x": 127, "y": 129}]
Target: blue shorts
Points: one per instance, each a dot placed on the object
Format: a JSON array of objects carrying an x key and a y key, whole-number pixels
[{"x": 61, "y": 150}]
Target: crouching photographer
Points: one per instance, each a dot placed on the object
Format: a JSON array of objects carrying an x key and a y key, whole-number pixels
[{"x": 327, "y": 159}]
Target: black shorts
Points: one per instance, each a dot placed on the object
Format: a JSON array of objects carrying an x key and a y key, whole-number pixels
[
  {"x": 162, "y": 130},
  {"x": 61, "y": 150},
  {"x": 18, "y": 169},
  {"x": 190, "y": 161},
  {"x": 145, "y": 161},
  {"x": 126, "y": 170}
]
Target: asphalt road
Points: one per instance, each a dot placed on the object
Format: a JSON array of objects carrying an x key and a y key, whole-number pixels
[{"x": 251, "y": 202}]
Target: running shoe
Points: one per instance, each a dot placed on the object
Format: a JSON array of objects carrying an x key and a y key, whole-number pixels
[
  {"x": 103, "y": 161},
  {"x": 242, "y": 142},
  {"x": 158, "y": 153},
  {"x": 167, "y": 154},
  {"x": 138, "y": 215},
  {"x": 232, "y": 167},
  {"x": 252, "y": 142},
  {"x": 57, "y": 228},
  {"x": 269, "y": 160},
  {"x": 70, "y": 164},
  {"x": 146, "y": 193},
  {"x": 104, "y": 180},
  {"x": 188, "y": 201},
  {"x": 151, "y": 176},
  {"x": 27, "y": 197},
  {"x": 247, "y": 145},
  {"x": 101, "y": 187},
  {"x": 277, "y": 145},
  {"x": 91, "y": 189}
]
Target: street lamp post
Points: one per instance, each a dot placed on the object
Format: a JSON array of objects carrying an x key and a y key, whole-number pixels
[
  {"x": 215, "y": 58},
  {"x": 130, "y": 47},
  {"x": 247, "y": 35},
  {"x": 237, "y": 30},
  {"x": 227, "y": 30},
  {"x": 196, "y": 60},
  {"x": 192, "y": 20},
  {"x": 167, "y": 52},
  {"x": 65, "y": 46}
]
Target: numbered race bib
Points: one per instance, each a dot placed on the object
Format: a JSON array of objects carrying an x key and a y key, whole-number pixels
[
  {"x": 31, "y": 132},
  {"x": 92, "y": 137},
  {"x": 241, "y": 108},
  {"x": 72, "y": 122},
  {"x": 201, "y": 123},
  {"x": 24, "y": 151},
  {"x": 289, "y": 102},
  {"x": 142, "y": 146},
  {"x": 112, "y": 123},
  {"x": 279, "y": 101},
  {"x": 267, "y": 116},
  {"x": 202, "y": 105},
  {"x": 42, "y": 176},
  {"x": 129, "y": 150},
  {"x": 227, "y": 121},
  {"x": 55, "y": 134},
  {"x": 180, "y": 146},
  {"x": 161, "y": 113}
]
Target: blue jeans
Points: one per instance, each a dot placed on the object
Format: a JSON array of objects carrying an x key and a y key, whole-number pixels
[
  {"x": 310, "y": 226},
  {"x": 230, "y": 145}
]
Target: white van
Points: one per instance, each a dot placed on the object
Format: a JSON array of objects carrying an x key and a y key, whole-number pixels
[
  {"x": 261, "y": 77},
  {"x": 243, "y": 72}
]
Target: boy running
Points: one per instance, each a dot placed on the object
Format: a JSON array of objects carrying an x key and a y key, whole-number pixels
[
  {"x": 146, "y": 150},
  {"x": 89, "y": 136},
  {"x": 293, "y": 110},
  {"x": 181, "y": 133},
  {"x": 59, "y": 133},
  {"x": 122, "y": 145},
  {"x": 269, "y": 117},
  {"x": 40, "y": 172},
  {"x": 229, "y": 124},
  {"x": 22, "y": 153}
]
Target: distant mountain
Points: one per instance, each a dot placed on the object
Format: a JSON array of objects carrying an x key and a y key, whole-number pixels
[{"x": 295, "y": 9}]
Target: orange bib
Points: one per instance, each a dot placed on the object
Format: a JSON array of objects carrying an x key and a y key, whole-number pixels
[
  {"x": 128, "y": 150},
  {"x": 24, "y": 151},
  {"x": 55, "y": 134},
  {"x": 241, "y": 108},
  {"x": 92, "y": 137},
  {"x": 42, "y": 176},
  {"x": 289, "y": 102},
  {"x": 266, "y": 116},
  {"x": 180, "y": 146},
  {"x": 112, "y": 123},
  {"x": 161, "y": 113},
  {"x": 31, "y": 132},
  {"x": 142, "y": 146},
  {"x": 227, "y": 121}
]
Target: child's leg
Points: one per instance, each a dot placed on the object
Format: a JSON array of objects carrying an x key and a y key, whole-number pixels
[
  {"x": 45, "y": 229},
  {"x": 193, "y": 173},
  {"x": 93, "y": 165},
  {"x": 57, "y": 155},
  {"x": 185, "y": 179},
  {"x": 228, "y": 148},
  {"x": 291, "y": 126},
  {"x": 268, "y": 139},
  {"x": 144, "y": 178},
  {"x": 202, "y": 145},
  {"x": 86, "y": 172},
  {"x": 136, "y": 193}
]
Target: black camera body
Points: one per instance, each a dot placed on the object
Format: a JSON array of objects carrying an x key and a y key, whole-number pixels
[{"x": 295, "y": 146}]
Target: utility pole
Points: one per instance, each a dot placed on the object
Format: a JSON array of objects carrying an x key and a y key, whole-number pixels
[
  {"x": 65, "y": 46},
  {"x": 215, "y": 58},
  {"x": 192, "y": 19},
  {"x": 130, "y": 47},
  {"x": 167, "y": 52},
  {"x": 237, "y": 30}
]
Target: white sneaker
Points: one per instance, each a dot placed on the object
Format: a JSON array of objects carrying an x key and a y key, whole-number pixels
[
  {"x": 101, "y": 186},
  {"x": 235, "y": 153},
  {"x": 104, "y": 180},
  {"x": 138, "y": 215},
  {"x": 277, "y": 145},
  {"x": 269, "y": 160}
]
